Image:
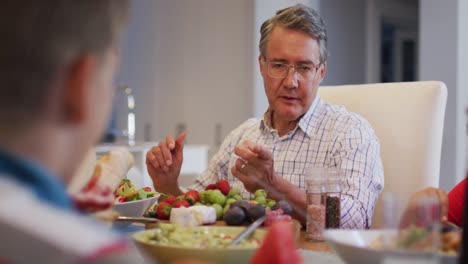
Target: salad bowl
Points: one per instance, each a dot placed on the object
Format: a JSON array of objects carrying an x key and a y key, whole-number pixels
[
  {"x": 134, "y": 208},
  {"x": 133, "y": 201},
  {"x": 185, "y": 243}
]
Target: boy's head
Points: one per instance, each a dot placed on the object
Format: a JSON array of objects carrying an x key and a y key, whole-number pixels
[
  {"x": 57, "y": 60},
  {"x": 41, "y": 43}
]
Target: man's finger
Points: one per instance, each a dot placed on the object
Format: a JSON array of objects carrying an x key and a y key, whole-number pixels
[
  {"x": 262, "y": 153},
  {"x": 241, "y": 165},
  {"x": 151, "y": 158},
  {"x": 166, "y": 154},
  {"x": 248, "y": 143},
  {"x": 179, "y": 146},
  {"x": 170, "y": 142},
  {"x": 245, "y": 153},
  {"x": 160, "y": 158},
  {"x": 238, "y": 174},
  {"x": 179, "y": 142}
]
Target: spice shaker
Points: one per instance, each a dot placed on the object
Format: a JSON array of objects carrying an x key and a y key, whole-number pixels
[
  {"x": 316, "y": 203},
  {"x": 333, "y": 199}
]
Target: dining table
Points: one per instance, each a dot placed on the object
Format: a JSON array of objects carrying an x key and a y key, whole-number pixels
[
  {"x": 316, "y": 251},
  {"x": 311, "y": 251}
]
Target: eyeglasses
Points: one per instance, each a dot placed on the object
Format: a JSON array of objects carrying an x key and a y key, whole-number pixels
[{"x": 280, "y": 70}]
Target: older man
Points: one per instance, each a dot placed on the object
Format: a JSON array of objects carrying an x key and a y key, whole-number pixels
[{"x": 297, "y": 131}]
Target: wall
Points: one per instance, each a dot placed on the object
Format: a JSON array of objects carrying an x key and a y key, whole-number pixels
[
  {"x": 345, "y": 21},
  {"x": 189, "y": 63},
  {"x": 403, "y": 13},
  {"x": 442, "y": 57},
  {"x": 462, "y": 103},
  {"x": 140, "y": 66}
]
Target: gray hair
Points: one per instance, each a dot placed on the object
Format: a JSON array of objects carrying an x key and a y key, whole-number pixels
[
  {"x": 41, "y": 38},
  {"x": 299, "y": 18}
]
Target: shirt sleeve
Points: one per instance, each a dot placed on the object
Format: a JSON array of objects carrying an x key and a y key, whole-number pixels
[
  {"x": 456, "y": 203},
  {"x": 54, "y": 235},
  {"x": 359, "y": 159}
]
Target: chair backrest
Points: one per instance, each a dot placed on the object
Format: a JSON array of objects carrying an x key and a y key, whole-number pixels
[{"x": 408, "y": 119}]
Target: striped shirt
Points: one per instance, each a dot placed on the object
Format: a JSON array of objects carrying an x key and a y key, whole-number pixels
[
  {"x": 39, "y": 225},
  {"x": 326, "y": 136}
]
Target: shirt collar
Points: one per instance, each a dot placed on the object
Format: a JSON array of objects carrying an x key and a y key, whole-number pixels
[
  {"x": 304, "y": 121},
  {"x": 43, "y": 183}
]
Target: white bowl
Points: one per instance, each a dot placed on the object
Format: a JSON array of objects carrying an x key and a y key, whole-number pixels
[
  {"x": 353, "y": 246},
  {"x": 134, "y": 208}
]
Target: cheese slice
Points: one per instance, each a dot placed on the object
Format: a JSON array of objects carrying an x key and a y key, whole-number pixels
[{"x": 193, "y": 216}]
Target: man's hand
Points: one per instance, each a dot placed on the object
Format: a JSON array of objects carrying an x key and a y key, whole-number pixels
[
  {"x": 254, "y": 167},
  {"x": 164, "y": 162}
]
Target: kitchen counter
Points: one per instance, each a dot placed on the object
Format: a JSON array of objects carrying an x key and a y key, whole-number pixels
[{"x": 195, "y": 161}]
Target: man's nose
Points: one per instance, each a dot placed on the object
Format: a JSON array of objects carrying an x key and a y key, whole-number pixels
[{"x": 291, "y": 79}]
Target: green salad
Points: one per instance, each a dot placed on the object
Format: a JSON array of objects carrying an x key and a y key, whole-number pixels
[
  {"x": 172, "y": 235},
  {"x": 127, "y": 192}
]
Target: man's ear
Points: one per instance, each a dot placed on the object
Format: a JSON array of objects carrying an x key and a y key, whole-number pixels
[
  {"x": 322, "y": 72},
  {"x": 260, "y": 63},
  {"x": 77, "y": 89}
]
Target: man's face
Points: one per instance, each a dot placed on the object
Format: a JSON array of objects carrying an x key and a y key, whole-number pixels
[{"x": 291, "y": 97}]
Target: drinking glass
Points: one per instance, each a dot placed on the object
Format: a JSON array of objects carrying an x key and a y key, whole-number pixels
[{"x": 412, "y": 229}]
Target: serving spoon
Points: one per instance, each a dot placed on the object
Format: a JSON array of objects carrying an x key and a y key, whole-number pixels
[
  {"x": 143, "y": 220},
  {"x": 252, "y": 227}
]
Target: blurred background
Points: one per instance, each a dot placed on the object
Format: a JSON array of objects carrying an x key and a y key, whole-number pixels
[{"x": 192, "y": 65}]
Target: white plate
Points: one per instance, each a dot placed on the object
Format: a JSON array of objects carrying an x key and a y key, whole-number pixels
[{"x": 353, "y": 246}]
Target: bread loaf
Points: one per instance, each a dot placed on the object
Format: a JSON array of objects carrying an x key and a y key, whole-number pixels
[
  {"x": 95, "y": 192},
  {"x": 84, "y": 173}
]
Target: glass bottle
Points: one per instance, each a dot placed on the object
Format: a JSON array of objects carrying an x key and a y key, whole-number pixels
[
  {"x": 124, "y": 111},
  {"x": 316, "y": 203},
  {"x": 333, "y": 200}
]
